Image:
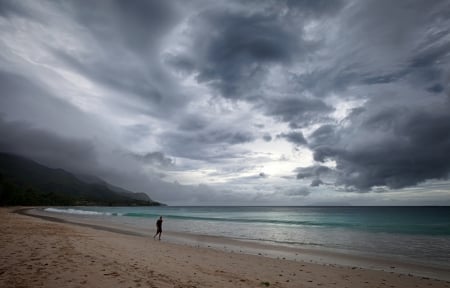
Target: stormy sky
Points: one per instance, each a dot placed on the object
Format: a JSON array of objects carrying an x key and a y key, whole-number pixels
[{"x": 277, "y": 102}]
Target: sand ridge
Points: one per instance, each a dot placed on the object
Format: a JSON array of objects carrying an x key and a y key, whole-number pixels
[{"x": 39, "y": 253}]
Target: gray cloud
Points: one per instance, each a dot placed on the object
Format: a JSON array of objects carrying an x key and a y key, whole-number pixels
[
  {"x": 155, "y": 158},
  {"x": 267, "y": 137},
  {"x": 299, "y": 192},
  {"x": 137, "y": 132},
  {"x": 210, "y": 145},
  {"x": 228, "y": 137},
  {"x": 294, "y": 137},
  {"x": 193, "y": 123}
]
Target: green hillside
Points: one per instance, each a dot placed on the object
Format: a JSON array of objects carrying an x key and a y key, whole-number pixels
[{"x": 25, "y": 182}]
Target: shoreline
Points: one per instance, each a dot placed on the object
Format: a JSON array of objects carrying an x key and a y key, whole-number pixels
[
  {"x": 231, "y": 245},
  {"x": 36, "y": 252}
]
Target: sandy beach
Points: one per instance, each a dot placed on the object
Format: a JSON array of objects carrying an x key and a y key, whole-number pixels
[{"x": 36, "y": 252}]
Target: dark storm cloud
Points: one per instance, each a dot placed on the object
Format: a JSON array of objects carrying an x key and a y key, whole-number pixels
[
  {"x": 134, "y": 24},
  {"x": 49, "y": 149},
  {"x": 323, "y": 134},
  {"x": 9, "y": 8},
  {"x": 232, "y": 50},
  {"x": 384, "y": 142},
  {"x": 300, "y": 8},
  {"x": 121, "y": 50},
  {"x": 116, "y": 45},
  {"x": 26, "y": 99},
  {"x": 84, "y": 157},
  {"x": 386, "y": 42},
  {"x": 142, "y": 84},
  {"x": 228, "y": 137},
  {"x": 58, "y": 135},
  {"x": 315, "y": 173},
  {"x": 395, "y": 146},
  {"x": 436, "y": 88},
  {"x": 312, "y": 171},
  {"x": 316, "y": 183},
  {"x": 294, "y": 137},
  {"x": 297, "y": 111}
]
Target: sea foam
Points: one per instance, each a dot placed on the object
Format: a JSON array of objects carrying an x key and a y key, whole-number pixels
[{"x": 79, "y": 212}]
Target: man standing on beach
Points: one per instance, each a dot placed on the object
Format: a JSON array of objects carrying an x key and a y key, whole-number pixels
[{"x": 158, "y": 228}]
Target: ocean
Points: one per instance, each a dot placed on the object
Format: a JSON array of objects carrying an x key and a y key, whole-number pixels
[{"x": 416, "y": 234}]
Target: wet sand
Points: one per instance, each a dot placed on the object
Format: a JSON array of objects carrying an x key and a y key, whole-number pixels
[{"x": 40, "y": 252}]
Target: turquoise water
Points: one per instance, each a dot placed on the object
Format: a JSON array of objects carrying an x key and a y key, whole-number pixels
[{"x": 416, "y": 233}]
